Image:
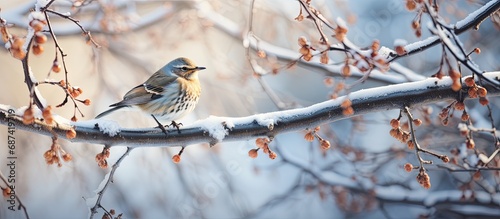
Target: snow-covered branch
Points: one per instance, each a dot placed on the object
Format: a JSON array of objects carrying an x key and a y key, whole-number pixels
[
  {"x": 473, "y": 20},
  {"x": 218, "y": 129}
]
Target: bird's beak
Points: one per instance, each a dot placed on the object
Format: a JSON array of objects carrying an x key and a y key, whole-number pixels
[{"x": 200, "y": 68}]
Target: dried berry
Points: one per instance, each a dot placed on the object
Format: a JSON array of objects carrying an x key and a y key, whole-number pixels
[
  {"x": 394, "y": 123},
  {"x": 460, "y": 106},
  {"x": 408, "y": 167},
  {"x": 253, "y": 153},
  {"x": 469, "y": 81},
  {"x": 176, "y": 158}
]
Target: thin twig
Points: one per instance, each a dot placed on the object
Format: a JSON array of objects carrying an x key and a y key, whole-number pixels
[
  {"x": 314, "y": 15},
  {"x": 77, "y": 22},
  {"x": 109, "y": 180},
  {"x": 418, "y": 149},
  {"x": 21, "y": 205}
]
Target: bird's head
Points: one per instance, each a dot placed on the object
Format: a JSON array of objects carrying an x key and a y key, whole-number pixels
[{"x": 182, "y": 67}]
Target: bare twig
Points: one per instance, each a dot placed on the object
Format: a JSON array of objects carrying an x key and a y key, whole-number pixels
[
  {"x": 86, "y": 32},
  {"x": 21, "y": 205},
  {"x": 109, "y": 180},
  {"x": 418, "y": 148}
]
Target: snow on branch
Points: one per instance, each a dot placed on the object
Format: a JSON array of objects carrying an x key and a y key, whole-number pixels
[
  {"x": 473, "y": 20},
  {"x": 219, "y": 129}
]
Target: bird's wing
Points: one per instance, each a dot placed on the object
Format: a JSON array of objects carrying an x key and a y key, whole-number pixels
[
  {"x": 138, "y": 95},
  {"x": 153, "y": 88}
]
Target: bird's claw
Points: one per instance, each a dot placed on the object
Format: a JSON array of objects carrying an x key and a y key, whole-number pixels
[{"x": 176, "y": 125}]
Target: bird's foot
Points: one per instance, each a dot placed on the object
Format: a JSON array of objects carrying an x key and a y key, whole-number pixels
[{"x": 176, "y": 125}]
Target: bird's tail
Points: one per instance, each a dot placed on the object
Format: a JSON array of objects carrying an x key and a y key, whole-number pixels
[{"x": 110, "y": 111}]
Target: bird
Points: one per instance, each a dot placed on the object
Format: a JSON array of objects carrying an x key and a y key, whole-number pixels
[{"x": 169, "y": 94}]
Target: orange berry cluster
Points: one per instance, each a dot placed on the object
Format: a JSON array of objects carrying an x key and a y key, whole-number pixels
[
  {"x": 28, "y": 116},
  {"x": 305, "y": 48},
  {"x": 476, "y": 91},
  {"x": 423, "y": 179},
  {"x": 47, "y": 115},
  {"x": 461, "y": 107},
  {"x": 455, "y": 77},
  {"x": 346, "y": 106},
  {"x": 74, "y": 91},
  {"x": 16, "y": 47},
  {"x": 379, "y": 60},
  {"x": 403, "y": 136},
  {"x": 340, "y": 33},
  {"x": 13, "y": 43},
  {"x": 323, "y": 143},
  {"x": 71, "y": 133},
  {"x": 39, "y": 37},
  {"x": 262, "y": 143},
  {"x": 100, "y": 158},
  {"x": 444, "y": 115},
  {"x": 55, "y": 154},
  {"x": 457, "y": 105},
  {"x": 415, "y": 25}
]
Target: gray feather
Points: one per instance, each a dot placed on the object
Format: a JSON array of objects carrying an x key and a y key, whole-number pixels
[{"x": 110, "y": 111}]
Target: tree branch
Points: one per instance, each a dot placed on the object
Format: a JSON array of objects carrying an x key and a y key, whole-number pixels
[
  {"x": 474, "y": 19},
  {"x": 218, "y": 129}
]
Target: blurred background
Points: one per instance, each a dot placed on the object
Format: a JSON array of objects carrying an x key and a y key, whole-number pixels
[{"x": 139, "y": 37}]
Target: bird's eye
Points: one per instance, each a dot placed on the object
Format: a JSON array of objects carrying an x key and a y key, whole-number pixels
[{"x": 184, "y": 68}]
